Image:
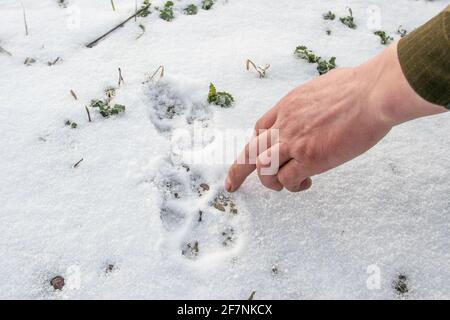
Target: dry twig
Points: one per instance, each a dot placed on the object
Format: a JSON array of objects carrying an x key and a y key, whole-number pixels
[
  {"x": 260, "y": 70},
  {"x": 120, "y": 78},
  {"x": 160, "y": 70},
  {"x": 93, "y": 43},
  {"x": 5, "y": 51},
  {"x": 88, "y": 113},
  {"x": 73, "y": 94},
  {"x": 24, "y": 19},
  {"x": 78, "y": 163}
]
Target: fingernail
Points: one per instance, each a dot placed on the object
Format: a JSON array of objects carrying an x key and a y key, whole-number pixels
[
  {"x": 228, "y": 185},
  {"x": 264, "y": 159}
]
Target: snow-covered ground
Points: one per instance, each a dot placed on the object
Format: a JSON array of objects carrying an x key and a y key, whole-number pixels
[{"x": 125, "y": 222}]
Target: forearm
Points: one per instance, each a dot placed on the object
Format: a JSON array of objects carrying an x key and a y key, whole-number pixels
[
  {"x": 411, "y": 78},
  {"x": 390, "y": 93}
]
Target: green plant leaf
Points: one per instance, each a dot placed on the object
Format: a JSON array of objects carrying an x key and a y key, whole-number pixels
[
  {"x": 207, "y": 4},
  {"x": 146, "y": 8},
  {"x": 222, "y": 99},
  {"x": 384, "y": 38},
  {"x": 304, "y": 53},
  {"x": 349, "y": 20},
  {"x": 323, "y": 66},
  {"x": 212, "y": 95},
  {"x": 167, "y": 13},
  {"x": 329, "y": 16},
  {"x": 191, "y": 10}
]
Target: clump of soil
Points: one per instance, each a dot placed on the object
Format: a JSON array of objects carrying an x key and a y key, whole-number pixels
[
  {"x": 202, "y": 189},
  {"x": 400, "y": 284},
  {"x": 57, "y": 283},
  {"x": 224, "y": 203},
  {"x": 29, "y": 61},
  {"x": 275, "y": 270},
  {"x": 110, "y": 268},
  {"x": 191, "y": 250},
  {"x": 172, "y": 188},
  {"x": 228, "y": 237}
]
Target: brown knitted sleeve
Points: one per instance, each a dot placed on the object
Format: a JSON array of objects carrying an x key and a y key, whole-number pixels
[{"x": 425, "y": 59}]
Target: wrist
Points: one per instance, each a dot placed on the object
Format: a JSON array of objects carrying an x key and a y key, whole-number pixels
[{"x": 390, "y": 96}]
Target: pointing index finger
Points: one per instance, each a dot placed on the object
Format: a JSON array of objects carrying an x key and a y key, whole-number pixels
[
  {"x": 245, "y": 164},
  {"x": 240, "y": 170}
]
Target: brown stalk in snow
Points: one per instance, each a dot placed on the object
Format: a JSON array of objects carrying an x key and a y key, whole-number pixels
[
  {"x": 5, "y": 51},
  {"x": 73, "y": 94},
  {"x": 161, "y": 74},
  {"x": 24, "y": 19},
  {"x": 93, "y": 43},
  {"x": 88, "y": 113},
  {"x": 261, "y": 70},
  {"x": 78, "y": 163},
  {"x": 120, "y": 78}
]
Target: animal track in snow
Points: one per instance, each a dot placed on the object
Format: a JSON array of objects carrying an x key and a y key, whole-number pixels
[
  {"x": 194, "y": 211},
  {"x": 171, "y": 109}
]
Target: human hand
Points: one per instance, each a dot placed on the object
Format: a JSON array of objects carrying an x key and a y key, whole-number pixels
[{"x": 327, "y": 122}]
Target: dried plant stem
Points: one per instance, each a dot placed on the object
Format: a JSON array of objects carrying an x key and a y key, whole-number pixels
[
  {"x": 93, "y": 43},
  {"x": 250, "y": 62},
  {"x": 120, "y": 78},
  {"x": 160, "y": 70},
  {"x": 24, "y": 19},
  {"x": 261, "y": 70},
  {"x": 78, "y": 163},
  {"x": 52, "y": 63},
  {"x": 88, "y": 113},
  {"x": 143, "y": 31},
  {"x": 5, "y": 51},
  {"x": 73, "y": 94},
  {"x": 113, "y": 6}
]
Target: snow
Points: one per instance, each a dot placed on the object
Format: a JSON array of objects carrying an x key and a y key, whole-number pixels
[{"x": 389, "y": 208}]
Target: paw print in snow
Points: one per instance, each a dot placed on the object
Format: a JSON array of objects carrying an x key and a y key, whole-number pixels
[{"x": 171, "y": 109}]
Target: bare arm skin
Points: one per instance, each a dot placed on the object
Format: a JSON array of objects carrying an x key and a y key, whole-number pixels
[{"x": 331, "y": 120}]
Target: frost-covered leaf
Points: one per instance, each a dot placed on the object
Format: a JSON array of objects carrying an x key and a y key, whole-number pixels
[
  {"x": 329, "y": 16},
  {"x": 384, "y": 38},
  {"x": 323, "y": 66},
  {"x": 146, "y": 4},
  {"x": 167, "y": 12},
  {"x": 349, "y": 21},
  {"x": 304, "y": 53},
  {"x": 191, "y": 10},
  {"x": 207, "y": 4}
]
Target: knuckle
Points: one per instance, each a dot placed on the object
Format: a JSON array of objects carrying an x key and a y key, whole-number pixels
[
  {"x": 262, "y": 124},
  {"x": 265, "y": 183},
  {"x": 269, "y": 182},
  {"x": 259, "y": 166},
  {"x": 259, "y": 124},
  {"x": 299, "y": 150},
  {"x": 305, "y": 152},
  {"x": 284, "y": 178}
]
